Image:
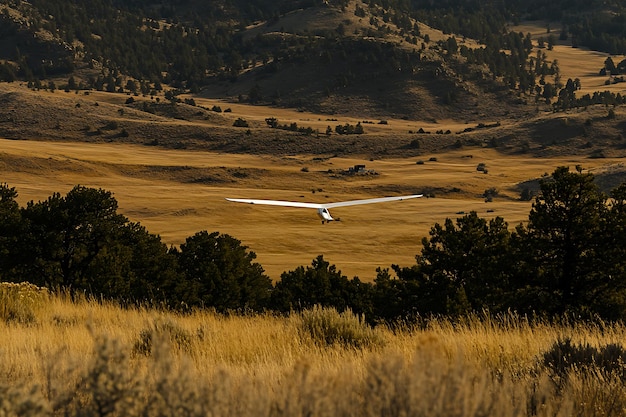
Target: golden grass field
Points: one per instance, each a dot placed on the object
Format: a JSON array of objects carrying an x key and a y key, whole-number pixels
[
  {"x": 67, "y": 358},
  {"x": 152, "y": 187}
]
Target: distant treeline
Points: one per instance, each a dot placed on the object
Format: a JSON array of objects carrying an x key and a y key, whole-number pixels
[{"x": 570, "y": 257}]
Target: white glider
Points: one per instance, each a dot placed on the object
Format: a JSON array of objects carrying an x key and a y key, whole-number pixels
[{"x": 322, "y": 208}]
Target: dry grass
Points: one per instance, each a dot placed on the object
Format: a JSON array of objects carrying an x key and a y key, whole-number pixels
[
  {"x": 82, "y": 357},
  {"x": 159, "y": 189}
]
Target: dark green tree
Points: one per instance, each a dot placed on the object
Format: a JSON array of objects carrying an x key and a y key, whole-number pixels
[
  {"x": 320, "y": 284},
  {"x": 255, "y": 95},
  {"x": 462, "y": 267},
  {"x": 221, "y": 273},
  {"x": 10, "y": 229},
  {"x": 135, "y": 268},
  {"x": 608, "y": 295},
  {"x": 560, "y": 250},
  {"x": 397, "y": 299},
  {"x": 610, "y": 67},
  {"x": 63, "y": 236}
]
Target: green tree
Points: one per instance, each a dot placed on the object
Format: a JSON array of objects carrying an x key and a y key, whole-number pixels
[
  {"x": 10, "y": 229},
  {"x": 561, "y": 248},
  {"x": 320, "y": 284},
  {"x": 397, "y": 299},
  {"x": 71, "y": 83},
  {"x": 64, "y": 235},
  {"x": 462, "y": 267},
  {"x": 255, "y": 95},
  {"x": 608, "y": 295},
  {"x": 135, "y": 268},
  {"x": 221, "y": 273},
  {"x": 131, "y": 86},
  {"x": 610, "y": 67}
]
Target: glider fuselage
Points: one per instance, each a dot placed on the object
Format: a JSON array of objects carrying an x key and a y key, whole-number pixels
[{"x": 324, "y": 214}]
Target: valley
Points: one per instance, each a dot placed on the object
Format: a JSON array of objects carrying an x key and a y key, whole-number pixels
[{"x": 176, "y": 193}]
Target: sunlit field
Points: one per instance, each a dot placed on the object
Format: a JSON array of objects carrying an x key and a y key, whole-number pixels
[
  {"x": 67, "y": 358},
  {"x": 159, "y": 189}
]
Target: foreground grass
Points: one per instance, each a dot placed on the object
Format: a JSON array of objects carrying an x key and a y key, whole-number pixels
[{"x": 60, "y": 357}]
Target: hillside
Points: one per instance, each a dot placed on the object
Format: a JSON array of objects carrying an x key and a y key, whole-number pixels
[
  {"x": 378, "y": 60},
  {"x": 337, "y": 58}
]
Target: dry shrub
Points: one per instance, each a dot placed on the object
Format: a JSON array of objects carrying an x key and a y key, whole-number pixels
[
  {"x": 22, "y": 402},
  {"x": 328, "y": 327},
  {"x": 428, "y": 384},
  {"x": 564, "y": 357},
  {"x": 167, "y": 330},
  {"x": 20, "y": 302}
]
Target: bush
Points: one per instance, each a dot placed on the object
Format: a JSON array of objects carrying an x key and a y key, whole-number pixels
[
  {"x": 240, "y": 122},
  {"x": 526, "y": 194},
  {"x": 490, "y": 193},
  {"x": 328, "y": 327},
  {"x": 166, "y": 331},
  {"x": 564, "y": 357},
  {"x": 19, "y": 302},
  {"x": 112, "y": 125}
]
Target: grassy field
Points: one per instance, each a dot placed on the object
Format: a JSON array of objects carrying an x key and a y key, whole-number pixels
[
  {"x": 177, "y": 193},
  {"x": 68, "y": 358}
]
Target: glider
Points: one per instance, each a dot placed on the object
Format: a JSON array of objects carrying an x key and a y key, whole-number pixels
[{"x": 322, "y": 208}]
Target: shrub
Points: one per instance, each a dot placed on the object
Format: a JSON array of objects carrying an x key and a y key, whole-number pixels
[
  {"x": 597, "y": 154},
  {"x": 526, "y": 194},
  {"x": 240, "y": 122},
  {"x": 167, "y": 331},
  {"x": 19, "y": 302},
  {"x": 328, "y": 327},
  {"x": 112, "y": 125},
  {"x": 564, "y": 357},
  {"x": 611, "y": 114},
  {"x": 490, "y": 193}
]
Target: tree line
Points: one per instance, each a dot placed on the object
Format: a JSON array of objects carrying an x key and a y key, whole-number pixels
[{"x": 568, "y": 258}]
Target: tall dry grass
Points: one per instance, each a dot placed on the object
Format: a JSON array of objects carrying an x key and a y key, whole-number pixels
[{"x": 84, "y": 357}]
